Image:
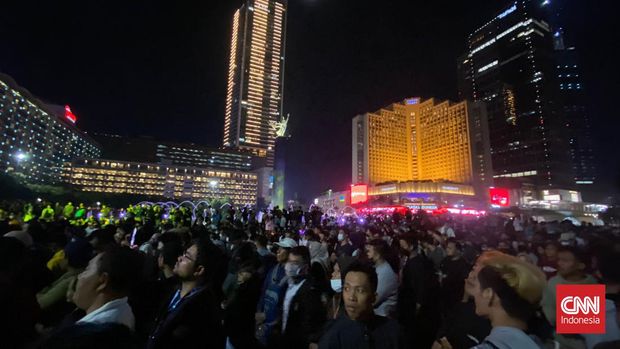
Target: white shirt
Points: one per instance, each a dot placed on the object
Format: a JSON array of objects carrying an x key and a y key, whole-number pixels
[
  {"x": 116, "y": 311},
  {"x": 291, "y": 291}
]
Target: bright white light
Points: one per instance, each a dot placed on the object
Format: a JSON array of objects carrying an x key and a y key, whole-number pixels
[
  {"x": 38, "y": 199},
  {"x": 20, "y": 156},
  {"x": 213, "y": 183},
  {"x": 488, "y": 66}
]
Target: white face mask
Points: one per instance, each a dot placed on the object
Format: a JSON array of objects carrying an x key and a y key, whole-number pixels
[
  {"x": 336, "y": 285},
  {"x": 292, "y": 270},
  {"x": 341, "y": 237}
]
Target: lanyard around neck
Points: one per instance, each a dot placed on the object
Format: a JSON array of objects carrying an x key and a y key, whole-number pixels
[{"x": 177, "y": 298}]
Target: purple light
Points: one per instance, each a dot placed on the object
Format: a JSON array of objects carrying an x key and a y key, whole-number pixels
[
  {"x": 361, "y": 220},
  {"x": 165, "y": 216},
  {"x": 121, "y": 215},
  {"x": 99, "y": 215}
]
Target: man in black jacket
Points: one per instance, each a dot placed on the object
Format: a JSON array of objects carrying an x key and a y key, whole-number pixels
[
  {"x": 191, "y": 316},
  {"x": 303, "y": 313},
  {"x": 418, "y": 302},
  {"x": 454, "y": 271},
  {"x": 359, "y": 327}
]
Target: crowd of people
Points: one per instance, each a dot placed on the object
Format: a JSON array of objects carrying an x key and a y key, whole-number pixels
[{"x": 161, "y": 276}]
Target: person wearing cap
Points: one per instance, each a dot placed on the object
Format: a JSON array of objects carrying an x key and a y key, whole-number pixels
[
  {"x": 78, "y": 253},
  {"x": 23, "y": 236},
  {"x": 268, "y": 308}
]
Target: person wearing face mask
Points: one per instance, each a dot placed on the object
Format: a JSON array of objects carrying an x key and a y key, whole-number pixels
[
  {"x": 269, "y": 310},
  {"x": 344, "y": 246},
  {"x": 358, "y": 326},
  {"x": 341, "y": 265},
  {"x": 303, "y": 313}
]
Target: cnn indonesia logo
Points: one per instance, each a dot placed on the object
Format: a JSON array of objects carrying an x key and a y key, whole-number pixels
[{"x": 580, "y": 309}]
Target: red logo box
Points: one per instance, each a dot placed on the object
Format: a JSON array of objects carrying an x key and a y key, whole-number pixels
[{"x": 580, "y": 309}]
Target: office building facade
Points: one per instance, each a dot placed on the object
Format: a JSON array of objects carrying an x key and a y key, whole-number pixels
[
  {"x": 572, "y": 97},
  {"x": 37, "y": 138},
  {"x": 511, "y": 64},
  {"x": 142, "y": 149},
  {"x": 171, "y": 182},
  {"x": 254, "y": 94},
  {"x": 577, "y": 120},
  {"x": 423, "y": 140}
]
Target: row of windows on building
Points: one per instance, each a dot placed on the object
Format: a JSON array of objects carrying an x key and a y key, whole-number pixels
[
  {"x": 144, "y": 169},
  {"x": 35, "y": 142}
]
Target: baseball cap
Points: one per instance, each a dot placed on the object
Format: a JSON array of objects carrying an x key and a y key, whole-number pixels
[
  {"x": 287, "y": 243},
  {"x": 23, "y": 236}
]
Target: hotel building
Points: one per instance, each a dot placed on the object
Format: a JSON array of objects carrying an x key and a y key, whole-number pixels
[
  {"x": 171, "y": 182},
  {"x": 146, "y": 149},
  {"x": 36, "y": 139},
  {"x": 423, "y": 140}
]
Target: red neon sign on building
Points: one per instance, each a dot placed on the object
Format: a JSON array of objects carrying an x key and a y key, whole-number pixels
[
  {"x": 359, "y": 194},
  {"x": 499, "y": 197},
  {"x": 69, "y": 115}
]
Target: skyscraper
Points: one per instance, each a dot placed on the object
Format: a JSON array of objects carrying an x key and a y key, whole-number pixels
[
  {"x": 428, "y": 140},
  {"x": 512, "y": 65},
  {"x": 256, "y": 77},
  {"x": 572, "y": 96}
]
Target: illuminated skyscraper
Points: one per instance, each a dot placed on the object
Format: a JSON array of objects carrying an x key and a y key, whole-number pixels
[
  {"x": 428, "y": 140},
  {"x": 573, "y": 97},
  {"x": 517, "y": 65},
  {"x": 256, "y": 77}
]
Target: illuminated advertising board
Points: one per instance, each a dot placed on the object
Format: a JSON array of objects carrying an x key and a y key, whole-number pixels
[
  {"x": 359, "y": 194},
  {"x": 499, "y": 197}
]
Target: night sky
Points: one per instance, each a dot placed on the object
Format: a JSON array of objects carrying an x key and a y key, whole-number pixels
[{"x": 159, "y": 68}]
